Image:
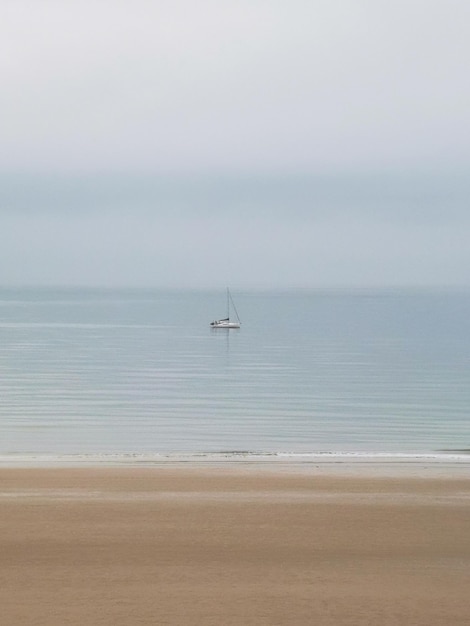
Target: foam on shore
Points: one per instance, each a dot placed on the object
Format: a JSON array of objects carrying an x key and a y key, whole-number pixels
[{"x": 340, "y": 463}]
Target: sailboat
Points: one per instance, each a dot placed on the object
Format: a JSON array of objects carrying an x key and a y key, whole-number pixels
[{"x": 226, "y": 322}]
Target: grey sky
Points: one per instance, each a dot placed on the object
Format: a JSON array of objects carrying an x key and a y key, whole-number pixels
[{"x": 260, "y": 143}]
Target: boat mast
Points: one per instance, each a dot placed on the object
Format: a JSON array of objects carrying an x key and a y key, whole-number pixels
[{"x": 233, "y": 305}]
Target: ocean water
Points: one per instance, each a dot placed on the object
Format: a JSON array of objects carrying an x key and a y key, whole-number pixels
[{"x": 141, "y": 372}]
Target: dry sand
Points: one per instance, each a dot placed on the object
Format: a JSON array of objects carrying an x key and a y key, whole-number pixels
[{"x": 231, "y": 546}]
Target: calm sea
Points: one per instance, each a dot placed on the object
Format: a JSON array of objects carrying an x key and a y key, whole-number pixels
[{"x": 141, "y": 371}]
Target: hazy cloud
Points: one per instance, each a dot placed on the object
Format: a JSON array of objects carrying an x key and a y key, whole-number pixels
[
  {"x": 251, "y": 143},
  {"x": 172, "y": 86},
  {"x": 342, "y": 231}
]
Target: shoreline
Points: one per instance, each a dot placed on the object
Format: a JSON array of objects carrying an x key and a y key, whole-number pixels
[{"x": 440, "y": 464}]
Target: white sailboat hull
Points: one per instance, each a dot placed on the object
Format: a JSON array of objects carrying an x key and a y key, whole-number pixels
[{"x": 224, "y": 324}]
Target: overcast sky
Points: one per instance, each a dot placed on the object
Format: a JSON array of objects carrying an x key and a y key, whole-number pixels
[{"x": 256, "y": 143}]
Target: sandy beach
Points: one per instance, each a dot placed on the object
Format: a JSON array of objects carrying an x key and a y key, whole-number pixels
[{"x": 233, "y": 545}]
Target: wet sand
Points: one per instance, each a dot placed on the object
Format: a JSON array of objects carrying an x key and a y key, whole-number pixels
[{"x": 232, "y": 546}]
